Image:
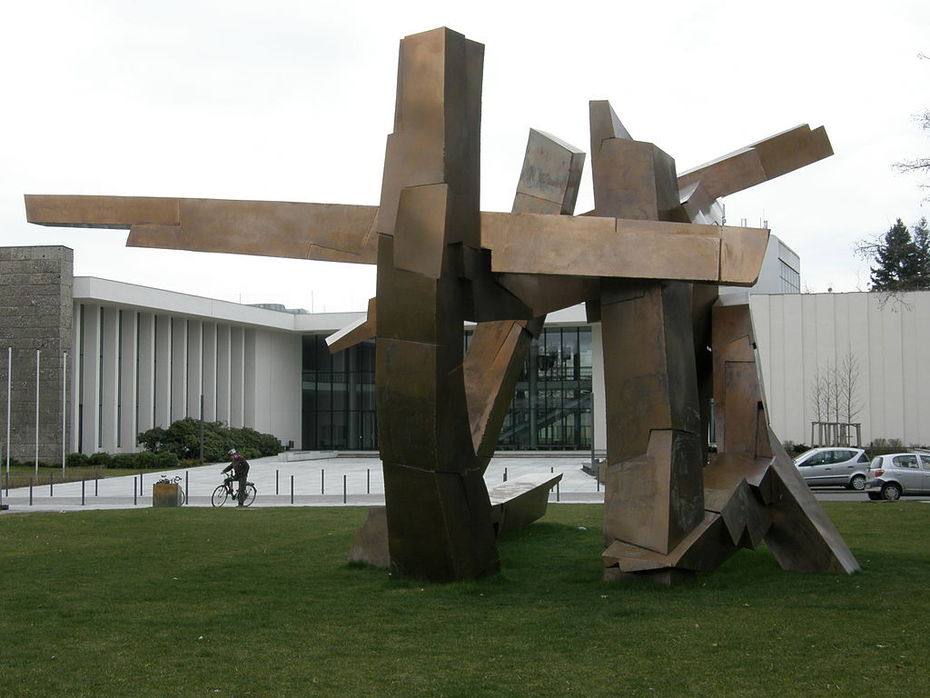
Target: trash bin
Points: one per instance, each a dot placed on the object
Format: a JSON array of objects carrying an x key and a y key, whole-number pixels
[{"x": 166, "y": 494}]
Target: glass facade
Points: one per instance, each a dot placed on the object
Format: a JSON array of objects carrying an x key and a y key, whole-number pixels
[
  {"x": 790, "y": 279},
  {"x": 551, "y": 408},
  {"x": 338, "y": 394}
]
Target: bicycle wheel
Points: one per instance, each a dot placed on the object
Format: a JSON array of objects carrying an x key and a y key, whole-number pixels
[
  {"x": 219, "y": 496},
  {"x": 250, "y": 493},
  {"x": 182, "y": 496}
]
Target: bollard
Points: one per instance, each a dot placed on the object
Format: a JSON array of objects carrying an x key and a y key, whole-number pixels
[
  {"x": 322, "y": 481},
  {"x": 344, "y": 495},
  {"x": 51, "y": 484},
  {"x": 552, "y": 469},
  {"x": 30, "y": 491},
  {"x": 82, "y": 492},
  {"x": 558, "y": 492},
  {"x": 187, "y": 486},
  {"x": 140, "y": 484},
  {"x": 597, "y": 476},
  {"x": 276, "y": 473},
  {"x": 96, "y": 480},
  {"x": 368, "y": 481},
  {"x": 292, "y": 489},
  {"x": 134, "y": 493},
  {"x": 505, "y": 474}
]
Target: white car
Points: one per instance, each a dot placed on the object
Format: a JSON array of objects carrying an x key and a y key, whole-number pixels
[
  {"x": 834, "y": 466},
  {"x": 897, "y": 474}
]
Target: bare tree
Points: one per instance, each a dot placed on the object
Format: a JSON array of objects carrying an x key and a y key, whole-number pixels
[
  {"x": 848, "y": 378},
  {"x": 818, "y": 397},
  {"x": 834, "y": 397}
]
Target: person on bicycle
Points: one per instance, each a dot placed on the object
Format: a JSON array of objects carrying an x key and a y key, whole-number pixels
[{"x": 240, "y": 471}]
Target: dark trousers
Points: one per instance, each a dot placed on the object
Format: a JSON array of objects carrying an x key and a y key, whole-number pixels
[{"x": 242, "y": 477}]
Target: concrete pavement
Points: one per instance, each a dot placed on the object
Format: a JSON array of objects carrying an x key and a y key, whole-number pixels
[{"x": 320, "y": 480}]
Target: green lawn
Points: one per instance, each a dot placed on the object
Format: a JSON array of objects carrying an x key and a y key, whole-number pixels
[
  {"x": 262, "y": 602},
  {"x": 24, "y": 475}
]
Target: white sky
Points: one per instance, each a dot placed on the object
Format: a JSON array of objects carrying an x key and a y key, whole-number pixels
[{"x": 292, "y": 101}]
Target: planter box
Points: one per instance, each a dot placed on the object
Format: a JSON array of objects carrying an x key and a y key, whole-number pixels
[{"x": 166, "y": 495}]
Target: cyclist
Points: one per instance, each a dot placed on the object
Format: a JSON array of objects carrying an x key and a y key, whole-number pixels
[{"x": 240, "y": 471}]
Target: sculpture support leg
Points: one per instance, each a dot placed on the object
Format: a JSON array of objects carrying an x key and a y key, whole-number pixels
[
  {"x": 655, "y": 494},
  {"x": 438, "y": 510}
]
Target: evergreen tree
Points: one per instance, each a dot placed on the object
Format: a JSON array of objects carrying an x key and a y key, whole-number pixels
[{"x": 902, "y": 262}]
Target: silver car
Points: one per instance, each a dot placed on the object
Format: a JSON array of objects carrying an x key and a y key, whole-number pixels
[
  {"x": 834, "y": 466},
  {"x": 896, "y": 474}
]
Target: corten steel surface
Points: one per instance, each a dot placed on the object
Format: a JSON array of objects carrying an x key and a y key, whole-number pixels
[
  {"x": 647, "y": 261},
  {"x": 518, "y": 503},
  {"x": 325, "y": 232},
  {"x": 752, "y": 491},
  {"x": 527, "y": 244},
  {"x": 548, "y": 184}
]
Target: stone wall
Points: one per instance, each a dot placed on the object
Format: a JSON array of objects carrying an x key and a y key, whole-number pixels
[{"x": 35, "y": 314}]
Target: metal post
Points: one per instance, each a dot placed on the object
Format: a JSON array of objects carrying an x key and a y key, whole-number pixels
[
  {"x": 51, "y": 484},
  {"x": 322, "y": 481},
  {"x": 368, "y": 481},
  {"x": 64, "y": 405},
  {"x": 201, "y": 427},
  {"x": 505, "y": 474},
  {"x": 276, "y": 473},
  {"x": 344, "y": 494},
  {"x": 134, "y": 492},
  {"x": 558, "y": 492},
  {"x": 30, "y": 491},
  {"x": 82, "y": 492},
  {"x": 9, "y": 385},
  {"x": 187, "y": 485},
  {"x": 292, "y": 489},
  {"x": 593, "y": 459},
  {"x": 38, "y": 361},
  {"x": 96, "y": 479}
]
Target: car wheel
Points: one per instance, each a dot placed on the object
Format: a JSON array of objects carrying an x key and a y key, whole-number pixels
[
  {"x": 857, "y": 483},
  {"x": 891, "y": 492},
  {"x": 874, "y": 496}
]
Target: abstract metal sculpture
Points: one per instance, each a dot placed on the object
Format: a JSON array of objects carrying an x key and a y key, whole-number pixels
[{"x": 646, "y": 261}]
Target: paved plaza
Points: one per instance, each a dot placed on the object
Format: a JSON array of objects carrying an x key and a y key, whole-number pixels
[{"x": 315, "y": 480}]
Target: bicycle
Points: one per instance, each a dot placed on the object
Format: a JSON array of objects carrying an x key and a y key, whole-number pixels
[
  {"x": 176, "y": 480},
  {"x": 225, "y": 491}
]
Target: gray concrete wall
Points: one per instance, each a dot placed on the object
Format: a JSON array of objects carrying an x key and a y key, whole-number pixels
[{"x": 35, "y": 314}]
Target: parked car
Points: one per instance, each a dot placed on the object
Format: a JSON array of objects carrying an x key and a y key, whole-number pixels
[
  {"x": 897, "y": 474},
  {"x": 834, "y": 466}
]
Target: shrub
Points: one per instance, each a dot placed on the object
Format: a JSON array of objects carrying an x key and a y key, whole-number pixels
[
  {"x": 182, "y": 439},
  {"x": 166, "y": 460},
  {"x": 77, "y": 460},
  {"x": 100, "y": 458}
]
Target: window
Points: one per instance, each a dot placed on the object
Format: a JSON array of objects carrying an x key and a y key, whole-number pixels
[
  {"x": 789, "y": 278},
  {"x": 907, "y": 461},
  {"x": 550, "y": 409},
  {"x": 925, "y": 462}
]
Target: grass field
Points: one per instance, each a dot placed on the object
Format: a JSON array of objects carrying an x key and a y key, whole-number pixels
[
  {"x": 262, "y": 602},
  {"x": 25, "y": 475}
]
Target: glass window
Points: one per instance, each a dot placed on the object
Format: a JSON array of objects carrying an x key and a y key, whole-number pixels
[
  {"x": 551, "y": 407},
  {"x": 906, "y": 461}
]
